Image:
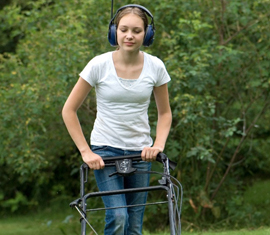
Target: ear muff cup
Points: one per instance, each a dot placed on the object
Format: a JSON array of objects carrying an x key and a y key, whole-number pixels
[
  {"x": 149, "y": 32},
  {"x": 112, "y": 35},
  {"x": 149, "y": 36}
]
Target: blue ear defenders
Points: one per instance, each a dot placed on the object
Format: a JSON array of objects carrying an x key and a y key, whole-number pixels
[{"x": 149, "y": 32}]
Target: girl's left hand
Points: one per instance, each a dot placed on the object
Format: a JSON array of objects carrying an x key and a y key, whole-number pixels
[{"x": 149, "y": 154}]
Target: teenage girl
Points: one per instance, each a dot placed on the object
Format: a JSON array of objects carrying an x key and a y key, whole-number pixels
[{"x": 124, "y": 80}]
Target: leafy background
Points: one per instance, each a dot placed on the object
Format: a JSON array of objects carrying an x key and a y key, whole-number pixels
[{"x": 218, "y": 56}]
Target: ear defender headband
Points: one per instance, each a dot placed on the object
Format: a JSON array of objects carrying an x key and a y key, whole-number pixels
[{"x": 149, "y": 31}]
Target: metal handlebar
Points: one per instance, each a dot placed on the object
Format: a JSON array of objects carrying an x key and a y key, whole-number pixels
[{"x": 161, "y": 157}]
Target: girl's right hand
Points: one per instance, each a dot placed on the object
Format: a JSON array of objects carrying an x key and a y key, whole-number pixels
[{"x": 93, "y": 160}]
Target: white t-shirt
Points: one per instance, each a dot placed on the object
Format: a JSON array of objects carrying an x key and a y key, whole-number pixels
[{"x": 122, "y": 110}]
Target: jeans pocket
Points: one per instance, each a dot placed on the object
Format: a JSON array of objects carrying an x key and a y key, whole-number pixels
[{"x": 98, "y": 148}]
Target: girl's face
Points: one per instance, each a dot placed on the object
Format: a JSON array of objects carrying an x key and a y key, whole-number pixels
[{"x": 130, "y": 32}]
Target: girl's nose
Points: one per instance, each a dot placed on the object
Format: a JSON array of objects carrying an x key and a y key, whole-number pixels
[{"x": 129, "y": 35}]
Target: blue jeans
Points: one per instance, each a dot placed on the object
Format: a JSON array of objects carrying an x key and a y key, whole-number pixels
[{"x": 122, "y": 221}]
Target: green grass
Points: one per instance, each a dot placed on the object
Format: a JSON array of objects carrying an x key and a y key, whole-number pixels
[
  {"x": 39, "y": 224},
  {"x": 54, "y": 220},
  {"x": 262, "y": 231},
  {"x": 68, "y": 224},
  {"x": 59, "y": 219}
]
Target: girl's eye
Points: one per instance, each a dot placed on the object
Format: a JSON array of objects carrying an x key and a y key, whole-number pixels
[{"x": 137, "y": 31}]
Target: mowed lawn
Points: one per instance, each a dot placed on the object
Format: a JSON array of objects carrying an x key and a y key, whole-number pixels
[{"x": 68, "y": 224}]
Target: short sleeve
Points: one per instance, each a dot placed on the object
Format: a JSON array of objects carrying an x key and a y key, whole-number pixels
[
  {"x": 162, "y": 75},
  {"x": 90, "y": 73}
]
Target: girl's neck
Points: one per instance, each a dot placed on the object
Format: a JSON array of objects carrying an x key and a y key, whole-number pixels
[{"x": 128, "y": 58}]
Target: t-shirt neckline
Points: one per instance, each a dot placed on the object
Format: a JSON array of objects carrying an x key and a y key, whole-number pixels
[{"x": 137, "y": 79}]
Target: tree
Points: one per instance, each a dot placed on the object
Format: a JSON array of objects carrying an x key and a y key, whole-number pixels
[
  {"x": 217, "y": 53},
  {"x": 35, "y": 83}
]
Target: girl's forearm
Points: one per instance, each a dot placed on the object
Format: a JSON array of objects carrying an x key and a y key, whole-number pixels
[
  {"x": 74, "y": 128},
  {"x": 163, "y": 129}
]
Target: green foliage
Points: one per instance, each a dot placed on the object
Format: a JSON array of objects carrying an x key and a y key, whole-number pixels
[
  {"x": 258, "y": 194},
  {"x": 217, "y": 53},
  {"x": 35, "y": 83},
  {"x": 15, "y": 203}
]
